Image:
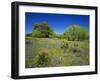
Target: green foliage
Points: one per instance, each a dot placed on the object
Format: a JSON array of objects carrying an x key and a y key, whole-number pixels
[
  {"x": 42, "y": 30},
  {"x": 44, "y": 24},
  {"x": 65, "y": 45},
  {"x": 72, "y": 33},
  {"x": 76, "y": 32},
  {"x": 36, "y": 25},
  {"x": 52, "y": 35},
  {"x": 36, "y": 33},
  {"x": 41, "y": 60}
]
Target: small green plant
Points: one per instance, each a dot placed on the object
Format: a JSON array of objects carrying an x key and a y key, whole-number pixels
[
  {"x": 65, "y": 45},
  {"x": 42, "y": 60}
]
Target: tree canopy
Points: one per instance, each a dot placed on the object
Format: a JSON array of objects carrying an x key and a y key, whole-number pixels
[
  {"x": 76, "y": 32},
  {"x": 42, "y": 30},
  {"x": 72, "y": 33}
]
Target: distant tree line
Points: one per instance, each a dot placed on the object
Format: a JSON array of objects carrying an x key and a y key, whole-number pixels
[{"x": 72, "y": 33}]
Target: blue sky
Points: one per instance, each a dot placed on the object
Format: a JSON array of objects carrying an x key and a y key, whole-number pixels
[{"x": 58, "y": 22}]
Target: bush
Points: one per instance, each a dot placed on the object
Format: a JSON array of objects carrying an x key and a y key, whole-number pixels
[
  {"x": 76, "y": 33},
  {"x": 65, "y": 45},
  {"x": 41, "y": 60}
]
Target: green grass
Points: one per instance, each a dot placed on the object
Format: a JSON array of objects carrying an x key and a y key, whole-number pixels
[{"x": 56, "y": 52}]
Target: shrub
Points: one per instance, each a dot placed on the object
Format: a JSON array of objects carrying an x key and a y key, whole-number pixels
[
  {"x": 42, "y": 60},
  {"x": 65, "y": 45},
  {"x": 76, "y": 33}
]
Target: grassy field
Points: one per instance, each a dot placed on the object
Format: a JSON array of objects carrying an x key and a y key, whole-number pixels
[{"x": 54, "y": 52}]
